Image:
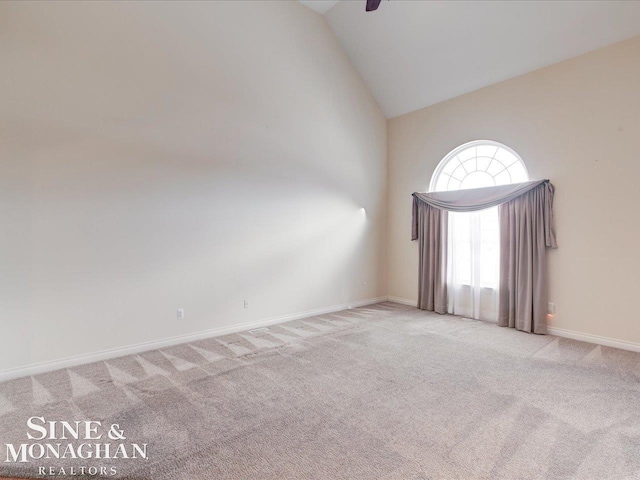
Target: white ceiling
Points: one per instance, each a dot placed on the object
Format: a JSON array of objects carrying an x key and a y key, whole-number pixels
[
  {"x": 416, "y": 53},
  {"x": 320, "y": 6}
]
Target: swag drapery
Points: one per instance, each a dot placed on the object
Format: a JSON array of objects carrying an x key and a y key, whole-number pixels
[{"x": 526, "y": 231}]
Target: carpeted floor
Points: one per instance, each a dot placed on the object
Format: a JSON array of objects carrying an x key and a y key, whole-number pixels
[{"x": 379, "y": 392}]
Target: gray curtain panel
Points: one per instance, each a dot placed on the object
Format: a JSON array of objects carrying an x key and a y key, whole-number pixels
[
  {"x": 526, "y": 231},
  {"x": 430, "y": 228}
]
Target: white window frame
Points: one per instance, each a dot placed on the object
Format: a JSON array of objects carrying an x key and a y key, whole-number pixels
[{"x": 475, "y": 143}]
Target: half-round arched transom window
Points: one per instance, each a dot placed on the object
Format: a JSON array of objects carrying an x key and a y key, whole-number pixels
[{"x": 478, "y": 164}]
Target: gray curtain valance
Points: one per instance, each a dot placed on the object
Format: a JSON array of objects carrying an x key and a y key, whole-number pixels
[{"x": 475, "y": 199}]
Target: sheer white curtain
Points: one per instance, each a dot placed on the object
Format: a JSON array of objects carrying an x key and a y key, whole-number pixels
[
  {"x": 474, "y": 238},
  {"x": 474, "y": 261}
]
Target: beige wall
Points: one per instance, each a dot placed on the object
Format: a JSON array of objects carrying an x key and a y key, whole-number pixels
[
  {"x": 156, "y": 156},
  {"x": 577, "y": 123}
]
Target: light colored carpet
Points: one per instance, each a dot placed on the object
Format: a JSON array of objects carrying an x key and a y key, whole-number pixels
[{"x": 379, "y": 392}]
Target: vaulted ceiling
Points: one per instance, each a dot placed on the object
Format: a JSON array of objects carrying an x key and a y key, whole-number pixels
[
  {"x": 416, "y": 53},
  {"x": 320, "y": 6}
]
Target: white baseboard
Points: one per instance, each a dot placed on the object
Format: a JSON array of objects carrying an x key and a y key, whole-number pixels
[
  {"x": 74, "y": 361},
  {"x": 587, "y": 337},
  {"x": 561, "y": 332},
  {"x": 403, "y": 301},
  {"x": 67, "y": 362}
]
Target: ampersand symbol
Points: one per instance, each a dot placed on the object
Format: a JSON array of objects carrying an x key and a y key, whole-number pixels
[{"x": 115, "y": 433}]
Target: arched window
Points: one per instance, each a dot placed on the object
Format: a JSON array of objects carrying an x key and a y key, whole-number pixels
[
  {"x": 477, "y": 164},
  {"x": 474, "y": 238}
]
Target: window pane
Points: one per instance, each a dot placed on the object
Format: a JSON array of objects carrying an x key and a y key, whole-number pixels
[
  {"x": 477, "y": 180},
  {"x": 443, "y": 180},
  {"x": 495, "y": 167},
  {"x": 450, "y": 166},
  {"x": 490, "y": 260},
  {"x": 470, "y": 165},
  {"x": 483, "y": 163},
  {"x": 467, "y": 154},
  {"x": 502, "y": 178},
  {"x": 461, "y": 238},
  {"x": 505, "y": 156},
  {"x": 518, "y": 173},
  {"x": 486, "y": 150},
  {"x": 454, "y": 184},
  {"x": 459, "y": 173},
  {"x": 489, "y": 248}
]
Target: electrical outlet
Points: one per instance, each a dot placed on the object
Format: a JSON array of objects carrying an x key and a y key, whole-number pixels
[
  {"x": 551, "y": 308},
  {"x": 364, "y": 284},
  {"x": 246, "y": 304},
  {"x": 180, "y": 314}
]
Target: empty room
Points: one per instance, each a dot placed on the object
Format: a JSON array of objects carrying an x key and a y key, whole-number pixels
[{"x": 319, "y": 240}]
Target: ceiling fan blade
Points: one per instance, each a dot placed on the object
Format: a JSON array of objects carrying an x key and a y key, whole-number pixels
[{"x": 372, "y": 5}]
